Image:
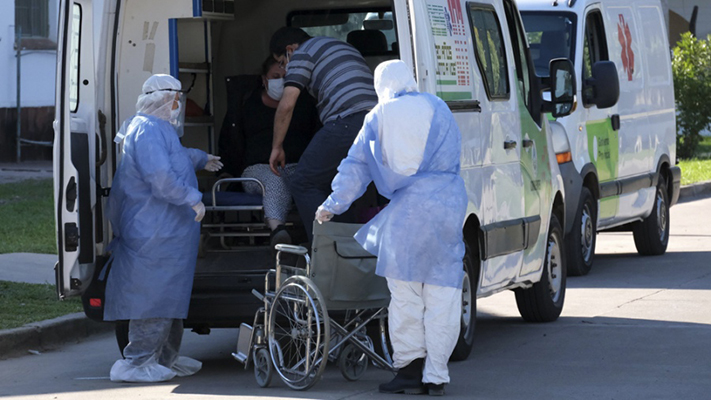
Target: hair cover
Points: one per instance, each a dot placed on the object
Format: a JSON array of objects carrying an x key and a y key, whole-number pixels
[
  {"x": 391, "y": 78},
  {"x": 157, "y": 96}
]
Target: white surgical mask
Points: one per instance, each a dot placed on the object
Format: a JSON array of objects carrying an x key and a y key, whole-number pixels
[{"x": 275, "y": 88}]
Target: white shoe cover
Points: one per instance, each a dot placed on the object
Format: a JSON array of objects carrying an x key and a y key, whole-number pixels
[
  {"x": 186, "y": 366},
  {"x": 123, "y": 371}
]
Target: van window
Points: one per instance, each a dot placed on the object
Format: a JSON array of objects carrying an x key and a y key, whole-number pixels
[
  {"x": 523, "y": 72},
  {"x": 74, "y": 58},
  {"x": 594, "y": 50},
  {"x": 489, "y": 50},
  {"x": 550, "y": 35},
  {"x": 376, "y": 28},
  {"x": 655, "y": 45}
]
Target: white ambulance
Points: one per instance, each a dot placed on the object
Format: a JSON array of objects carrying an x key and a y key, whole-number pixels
[
  {"x": 474, "y": 55},
  {"x": 623, "y": 174}
]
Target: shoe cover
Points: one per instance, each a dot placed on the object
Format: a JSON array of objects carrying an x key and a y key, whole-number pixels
[
  {"x": 151, "y": 371},
  {"x": 186, "y": 366}
]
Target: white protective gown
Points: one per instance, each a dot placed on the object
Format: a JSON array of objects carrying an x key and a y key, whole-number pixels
[{"x": 410, "y": 147}]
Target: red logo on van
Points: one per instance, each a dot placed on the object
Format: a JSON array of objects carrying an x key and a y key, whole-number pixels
[{"x": 625, "y": 37}]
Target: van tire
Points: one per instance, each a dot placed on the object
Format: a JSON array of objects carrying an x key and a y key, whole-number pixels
[
  {"x": 583, "y": 236},
  {"x": 543, "y": 302},
  {"x": 651, "y": 235},
  {"x": 121, "y": 335},
  {"x": 470, "y": 284}
]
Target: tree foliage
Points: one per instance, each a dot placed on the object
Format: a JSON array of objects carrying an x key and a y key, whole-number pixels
[{"x": 691, "y": 65}]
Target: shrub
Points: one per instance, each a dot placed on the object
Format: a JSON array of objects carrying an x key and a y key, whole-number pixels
[{"x": 691, "y": 65}]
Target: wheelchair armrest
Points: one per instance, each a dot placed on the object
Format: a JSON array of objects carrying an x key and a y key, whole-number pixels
[
  {"x": 290, "y": 248},
  {"x": 216, "y": 186}
]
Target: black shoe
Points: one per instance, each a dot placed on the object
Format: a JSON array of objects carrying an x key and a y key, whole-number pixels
[
  {"x": 435, "y": 390},
  {"x": 279, "y": 236},
  {"x": 408, "y": 380}
]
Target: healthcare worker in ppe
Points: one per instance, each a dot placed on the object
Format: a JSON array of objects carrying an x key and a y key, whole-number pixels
[
  {"x": 154, "y": 208},
  {"x": 410, "y": 146}
]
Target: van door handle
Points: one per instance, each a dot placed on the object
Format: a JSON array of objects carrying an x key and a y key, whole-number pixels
[
  {"x": 509, "y": 144},
  {"x": 527, "y": 143}
]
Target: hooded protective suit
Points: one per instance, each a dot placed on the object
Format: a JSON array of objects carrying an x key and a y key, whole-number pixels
[
  {"x": 156, "y": 237},
  {"x": 410, "y": 147}
]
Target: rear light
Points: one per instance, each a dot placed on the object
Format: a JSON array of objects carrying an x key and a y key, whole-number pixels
[
  {"x": 564, "y": 157},
  {"x": 95, "y": 302}
]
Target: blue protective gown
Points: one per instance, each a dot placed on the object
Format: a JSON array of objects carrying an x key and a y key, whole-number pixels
[
  {"x": 156, "y": 236},
  {"x": 417, "y": 237}
]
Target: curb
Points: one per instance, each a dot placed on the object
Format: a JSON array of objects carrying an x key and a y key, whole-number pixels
[
  {"x": 49, "y": 334},
  {"x": 696, "y": 189}
]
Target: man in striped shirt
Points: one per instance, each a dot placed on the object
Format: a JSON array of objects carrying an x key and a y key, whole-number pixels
[{"x": 336, "y": 74}]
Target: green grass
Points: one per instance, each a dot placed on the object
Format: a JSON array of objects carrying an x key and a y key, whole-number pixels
[
  {"x": 704, "y": 148},
  {"x": 27, "y": 215},
  {"x": 694, "y": 171},
  {"x": 23, "y": 303}
]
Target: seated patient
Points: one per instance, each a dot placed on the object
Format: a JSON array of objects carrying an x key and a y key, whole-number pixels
[{"x": 249, "y": 153}]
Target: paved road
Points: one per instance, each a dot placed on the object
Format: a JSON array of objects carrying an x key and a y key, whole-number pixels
[{"x": 635, "y": 328}]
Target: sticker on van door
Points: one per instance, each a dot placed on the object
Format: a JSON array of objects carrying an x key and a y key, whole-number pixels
[
  {"x": 625, "y": 37},
  {"x": 448, "y": 29}
]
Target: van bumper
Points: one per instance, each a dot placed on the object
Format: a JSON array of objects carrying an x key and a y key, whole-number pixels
[
  {"x": 676, "y": 184},
  {"x": 573, "y": 184}
]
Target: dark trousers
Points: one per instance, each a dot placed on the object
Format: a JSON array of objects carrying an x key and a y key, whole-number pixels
[{"x": 310, "y": 183}]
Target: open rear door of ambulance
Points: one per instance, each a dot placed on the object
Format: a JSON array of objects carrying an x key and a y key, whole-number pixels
[{"x": 75, "y": 189}]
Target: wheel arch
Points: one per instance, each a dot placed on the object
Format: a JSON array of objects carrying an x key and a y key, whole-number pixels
[{"x": 590, "y": 180}]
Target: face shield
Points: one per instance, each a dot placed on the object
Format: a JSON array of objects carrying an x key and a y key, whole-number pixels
[{"x": 162, "y": 97}]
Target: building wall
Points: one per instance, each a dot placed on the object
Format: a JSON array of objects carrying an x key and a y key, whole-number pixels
[
  {"x": 685, "y": 8},
  {"x": 37, "y": 81}
]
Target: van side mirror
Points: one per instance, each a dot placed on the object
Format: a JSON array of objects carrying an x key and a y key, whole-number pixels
[
  {"x": 603, "y": 88},
  {"x": 562, "y": 88}
]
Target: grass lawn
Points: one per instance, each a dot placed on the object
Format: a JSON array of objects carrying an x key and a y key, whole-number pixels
[
  {"x": 27, "y": 215},
  {"x": 694, "y": 171},
  {"x": 22, "y": 303}
]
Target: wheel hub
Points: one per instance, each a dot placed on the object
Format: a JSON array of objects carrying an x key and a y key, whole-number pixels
[
  {"x": 587, "y": 234},
  {"x": 554, "y": 271},
  {"x": 661, "y": 216}
]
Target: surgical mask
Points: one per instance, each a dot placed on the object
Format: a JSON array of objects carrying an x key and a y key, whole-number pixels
[{"x": 275, "y": 88}]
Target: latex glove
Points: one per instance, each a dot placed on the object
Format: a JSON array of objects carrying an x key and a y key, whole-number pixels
[
  {"x": 199, "y": 209},
  {"x": 213, "y": 163},
  {"x": 322, "y": 215}
]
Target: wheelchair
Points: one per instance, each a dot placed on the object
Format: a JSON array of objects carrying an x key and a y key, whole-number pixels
[{"x": 317, "y": 309}]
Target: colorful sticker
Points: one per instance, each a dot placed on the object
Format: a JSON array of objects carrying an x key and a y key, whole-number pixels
[
  {"x": 604, "y": 149},
  {"x": 454, "y": 78}
]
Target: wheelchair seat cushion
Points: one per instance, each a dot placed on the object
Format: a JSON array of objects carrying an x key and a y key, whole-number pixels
[{"x": 228, "y": 199}]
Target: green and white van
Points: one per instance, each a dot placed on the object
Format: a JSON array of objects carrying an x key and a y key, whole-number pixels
[
  {"x": 474, "y": 55},
  {"x": 621, "y": 137}
]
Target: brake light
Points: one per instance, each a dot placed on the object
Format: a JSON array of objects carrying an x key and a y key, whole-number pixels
[
  {"x": 95, "y": 302},
  {"x": 564, "y": 157}
]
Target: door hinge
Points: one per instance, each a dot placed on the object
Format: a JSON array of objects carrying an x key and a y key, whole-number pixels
[{"x": 104, "y": 192}]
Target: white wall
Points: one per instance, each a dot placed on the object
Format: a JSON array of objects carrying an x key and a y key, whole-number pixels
[
  {"x": 685, "y": 7},
  {"x": 37, "y": 67}
]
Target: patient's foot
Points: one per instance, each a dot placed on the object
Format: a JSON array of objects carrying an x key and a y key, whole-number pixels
[{"x": 279, "y": 236}]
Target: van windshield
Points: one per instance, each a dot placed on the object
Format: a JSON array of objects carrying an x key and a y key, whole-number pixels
[
  {"x": 370, "y": 31},
  {"x": 550, "y": 35}
]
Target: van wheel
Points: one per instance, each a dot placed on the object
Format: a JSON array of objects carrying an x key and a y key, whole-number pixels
[
  {"x": 651, "y": 235},
  {"x": 470, "y": 282},
  {"x": 543, "y": 302},
  {"x": 122, "y": 335},
  {"x": 581, "y": 245}
]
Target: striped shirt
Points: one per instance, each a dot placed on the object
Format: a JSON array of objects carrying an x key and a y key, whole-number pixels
[{"x": 334, "y": 73}]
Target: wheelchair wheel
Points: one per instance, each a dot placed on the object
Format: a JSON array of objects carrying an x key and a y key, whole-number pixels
[
  {"x": 353, "y": 362},
  {"x": 262, "y": 367},
  {"x": 298, "y": 334}
]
